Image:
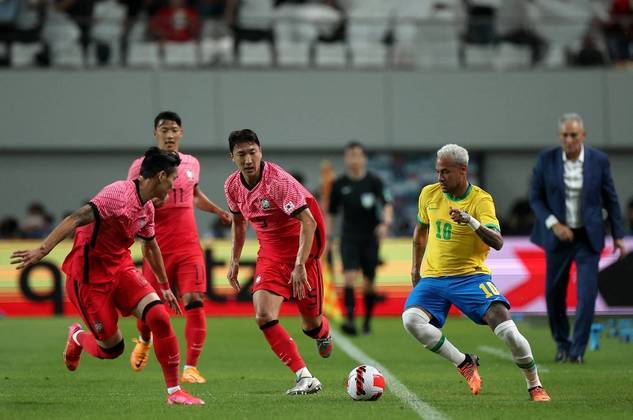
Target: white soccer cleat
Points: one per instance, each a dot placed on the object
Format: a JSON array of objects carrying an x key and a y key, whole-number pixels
[{"x": 306, "y": 385}]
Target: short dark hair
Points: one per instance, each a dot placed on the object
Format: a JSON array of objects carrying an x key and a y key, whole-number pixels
[
  {"x": 242, "y": 136},
  {"x": 167, "y": 115},
  {"x": 157, "y": 160},
  {"x": 355, "y": 144}
]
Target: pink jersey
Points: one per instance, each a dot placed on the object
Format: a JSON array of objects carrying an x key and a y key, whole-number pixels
[
  {"x": 270, "y": 206},
  {"x": 176, "y": 229},
  {"x": 103, "y": 247}
]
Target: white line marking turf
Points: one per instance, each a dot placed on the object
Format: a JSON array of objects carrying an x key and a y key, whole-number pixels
[{"x": 421, "y": 408}]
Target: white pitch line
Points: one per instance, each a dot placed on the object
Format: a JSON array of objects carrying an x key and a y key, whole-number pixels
[
  {"x": 423, "y": 409},
  {"x": 506, "y": 356}
]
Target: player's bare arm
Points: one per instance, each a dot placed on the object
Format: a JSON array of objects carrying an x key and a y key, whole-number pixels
[
  {"x": 202, "y": 202},
  {"x": 299, "y": 278},
  {"x": 489, "y": 236},
  {"x": 152, "y": 254},
  {"x": 420, "y": 236},
  {"x": 28, "y": 257},
  {"x": 238, "y": 237}
]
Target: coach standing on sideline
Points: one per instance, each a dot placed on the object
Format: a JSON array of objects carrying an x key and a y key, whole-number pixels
[
  {"x": 570, "y": 187},
  {"x": 367, "y": 216}
]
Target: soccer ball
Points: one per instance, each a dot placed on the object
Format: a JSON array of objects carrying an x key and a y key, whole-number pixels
[{"x": 365, "y": 383}]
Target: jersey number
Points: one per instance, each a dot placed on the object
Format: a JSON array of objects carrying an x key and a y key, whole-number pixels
[
  {"x": 178, "y": 194},
  {"x": 443, "y": 231},
  {"x": 489, "y": 289}
]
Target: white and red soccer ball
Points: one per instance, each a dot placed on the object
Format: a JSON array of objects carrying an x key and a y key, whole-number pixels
[{"x": 365, "y": 383}]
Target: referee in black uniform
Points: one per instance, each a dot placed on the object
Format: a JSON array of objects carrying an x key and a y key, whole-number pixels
[{"x": 367, "y": 216}]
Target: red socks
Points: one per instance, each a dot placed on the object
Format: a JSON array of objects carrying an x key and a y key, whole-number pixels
[
  {"x": 195, "y": 331},
  {"x": 282, "y": 345},
  {"x": 89, "y": 343},
  {"x": 144, "y": 330},
  {"x": 165, "y": 343}
]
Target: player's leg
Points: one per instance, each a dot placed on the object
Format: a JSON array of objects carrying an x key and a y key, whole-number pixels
[
  {"x": 369, "y": 262},
  {"x": 498, "y": 318},
  {"x": 151, "y": 310},
  {"x": 425, "y": 313},
  {"x": 143, "y": 344},
  {"x": 191, "y": 279},
  {"x": 350, "y": 256},
  {"x": 103, "y": 338},
  {"x": 315, "y": 325}
]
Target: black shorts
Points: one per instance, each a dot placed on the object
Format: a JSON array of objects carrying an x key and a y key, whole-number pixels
[{"x": 361, "y": 254}]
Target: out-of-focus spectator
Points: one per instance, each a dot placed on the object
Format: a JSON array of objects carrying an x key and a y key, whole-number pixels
[
  {"x": 481, "y": 21},
  {"x": 589, "y": 55},
  {"x": 37, "y": 223},
  {"x": 22, "y": 21},
  {"x": 9, "y": 228},
  {"x": 516, "y": 25},
  {"x": 176, "y": 22},
  {"x": 521, "y": 219},
  {"x": 251, "y": 20},
  {"x": 80, "y": 12},
  {"x": 629, "y": 215},
  {"x": 618, "y": 31}
]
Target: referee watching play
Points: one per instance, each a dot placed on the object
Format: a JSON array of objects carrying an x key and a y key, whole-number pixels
[{"x": 367, "y": 216}]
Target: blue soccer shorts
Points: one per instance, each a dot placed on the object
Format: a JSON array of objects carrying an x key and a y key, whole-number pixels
[{"x": 472, "y": 294}]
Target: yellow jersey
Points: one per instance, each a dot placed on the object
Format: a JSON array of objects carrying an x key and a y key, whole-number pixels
[{"x": 454, "y": 249}]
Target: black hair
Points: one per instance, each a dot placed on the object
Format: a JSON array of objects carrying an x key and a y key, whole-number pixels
[
  {"x": 242, "y": 136},
  {"x": 157, "y": 160},
  {"x": 355, "y": 144},
  {"x": 169, "y": 116}
]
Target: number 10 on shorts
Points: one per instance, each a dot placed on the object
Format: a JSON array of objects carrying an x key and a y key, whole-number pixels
[{"x": 489, "y": 289}]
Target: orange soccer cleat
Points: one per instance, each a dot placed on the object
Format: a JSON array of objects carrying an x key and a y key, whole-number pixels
[
  {"x": 469, "y": 371},
  {"x": 538, "y": 394},
  {"x": 192, "y": 375},
  {"x": 325, "y": 346},
  {"x": 181, "y": 397},
  {"x": 72, "y": 352},
  {"x": 140, "y": 355}
]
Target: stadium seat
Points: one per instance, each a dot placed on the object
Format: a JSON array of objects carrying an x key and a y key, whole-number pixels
[
  {"x": 143, "y": 54},
  {"x": 369, "y": 23},
  {"x": 181, "y": 54},
  {"x": 511, "y": 57},
  {"x": 23, "y": 55},
  {"x": 331, "y": 55},
  {"x": 255, "y": 54}
]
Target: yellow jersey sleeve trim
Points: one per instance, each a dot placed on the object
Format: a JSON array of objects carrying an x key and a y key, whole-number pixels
[
  {"x": 493, "y": 227},
  {"x": 420, "y": 221}
]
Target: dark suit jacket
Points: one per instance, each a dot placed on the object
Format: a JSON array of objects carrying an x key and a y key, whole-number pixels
[{"x": 547, "y": 196}]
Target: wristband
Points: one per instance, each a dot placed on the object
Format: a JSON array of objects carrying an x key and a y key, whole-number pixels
[
  {"x": 164, "y": 286},
  {"x": 474, "y": 223}
]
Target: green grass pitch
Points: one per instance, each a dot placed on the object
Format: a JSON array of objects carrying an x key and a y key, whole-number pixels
[{"x": 246, "y": 381}]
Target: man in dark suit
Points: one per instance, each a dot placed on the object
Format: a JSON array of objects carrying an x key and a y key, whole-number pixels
[{"x": 571, "y": 185}]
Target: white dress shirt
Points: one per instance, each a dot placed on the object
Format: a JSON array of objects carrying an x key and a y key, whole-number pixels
[{"x": 573, "y": 187}]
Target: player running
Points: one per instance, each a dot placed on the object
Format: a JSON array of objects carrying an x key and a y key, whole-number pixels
[
  {"x": 177, "y": 236},
  {"x": 290, "y": 230},
  {"x": 457, "y": 226},
  {"x": 101, "y": 279}
]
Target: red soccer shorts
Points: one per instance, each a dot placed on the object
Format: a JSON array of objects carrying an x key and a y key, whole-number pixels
[
  {"x": 185, "y": 271},
  {"x": 98, "y": 302},
  {"x": 275, "y": 277}
]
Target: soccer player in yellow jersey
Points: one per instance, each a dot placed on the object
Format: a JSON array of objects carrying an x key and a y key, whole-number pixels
[{"x": 456, "y": 227}]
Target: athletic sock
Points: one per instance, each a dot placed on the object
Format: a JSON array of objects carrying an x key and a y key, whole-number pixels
[
  {"x": 508, "y": 332},
  {"x": 417, "y": 323},
  {"x": 322, "y": 331},
  {"x": 282, "y": 345},
  {"x": 350, "y": 302},
  {"x": 195, "y": 331},
  {"x": 89, "y": 343},
  {"x": 165, "y": 343},
  {"x": 145, "y": 334}
]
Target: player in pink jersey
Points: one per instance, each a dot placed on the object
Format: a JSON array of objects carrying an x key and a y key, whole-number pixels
[
  {"x": 290, "y": 230},
  {"x": 101, "y": 279},
  {"x": 177, "y": 236}
]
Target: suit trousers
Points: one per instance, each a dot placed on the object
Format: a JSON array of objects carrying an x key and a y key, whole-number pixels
[{"x": 559, "y": 263}]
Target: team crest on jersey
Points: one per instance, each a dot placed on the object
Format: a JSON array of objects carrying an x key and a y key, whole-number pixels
[
  {"x": 289, "y": 207},
  {"x": 265, "y": 204},
  {"x": 189, "y": 175}
]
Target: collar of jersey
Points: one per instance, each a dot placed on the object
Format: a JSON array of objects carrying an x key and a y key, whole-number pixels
[
  {"x": 261, "y": 175},
  {"x": 138, "y": 192},
  {"x": 461, "y": 197}
]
